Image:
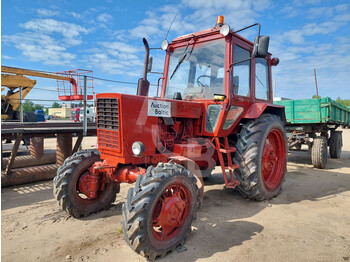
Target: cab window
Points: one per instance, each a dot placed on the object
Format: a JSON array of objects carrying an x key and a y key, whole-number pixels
[
  {"x": 241, "y": 71},
  {"x": 261, "y": 79}
]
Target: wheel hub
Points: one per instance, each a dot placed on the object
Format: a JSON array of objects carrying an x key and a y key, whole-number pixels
[
  {"x": 170, "y": 212},
  {"x": 273, "y": 163},
  {"x": 89, "y": 185}
]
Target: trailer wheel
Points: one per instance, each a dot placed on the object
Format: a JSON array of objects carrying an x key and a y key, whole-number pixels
[
  {"x": 262, "y": 157},
  {"x": 66, "y": 186},
  {"x": 159, "y": 210},
  {"x": 335, "y": 144},
  {"x": 319, "y": 152}
]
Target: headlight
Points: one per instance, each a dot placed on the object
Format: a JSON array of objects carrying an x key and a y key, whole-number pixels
[
  {"x": 164, "y": 45},
  {"x": 138, "y": 148},
  {"x": 225, "y": 30}
]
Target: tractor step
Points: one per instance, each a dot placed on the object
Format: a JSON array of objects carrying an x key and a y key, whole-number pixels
[
  {"x": 233, "y": 167},
  {"x": 227, "y": 150},
  {"x": 232, "y": 184}
]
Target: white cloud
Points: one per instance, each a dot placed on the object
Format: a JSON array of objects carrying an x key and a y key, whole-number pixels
[
  {"x": 116, "y": 58},
  {"x": 202, "y": 16},
  {"x": 47, "y": 12},
  {"x": 290, "y": 11},
  {"x": 38, "y": 47},
  {"x": 47, "y": 41},
  {"x": 75, "y": 15},
  {"x": 297, "y": 36},
  {"x": 7, "y": 57},
  {"x": 306, "y": 2},
  {"x": 49, "y": 26},
  {"x": 104, "y": 18}
]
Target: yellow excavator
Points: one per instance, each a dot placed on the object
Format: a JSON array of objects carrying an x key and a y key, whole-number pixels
[{"x": 14, "y": 78}]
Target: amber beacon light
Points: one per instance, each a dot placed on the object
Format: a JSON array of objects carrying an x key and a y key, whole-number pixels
[{"x": 220, "y": 20}]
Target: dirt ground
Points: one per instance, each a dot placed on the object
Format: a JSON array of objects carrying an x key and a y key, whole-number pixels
[{"x": 308, "y": 221}]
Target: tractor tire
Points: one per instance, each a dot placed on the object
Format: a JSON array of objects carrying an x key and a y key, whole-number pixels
[
  {"x": 335, "y": 144},
  {"x": 66, "y": 184},
  {"x": 319, "y": 152},
  {"x": 262, "y": 157},
  {"x": 152, "y": 228}
]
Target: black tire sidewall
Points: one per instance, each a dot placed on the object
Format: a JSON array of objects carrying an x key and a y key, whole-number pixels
[
  {"x": 335, "y": 145},
  {"x": 275, "y": 124},
  {"x": 319, "y": 145}
]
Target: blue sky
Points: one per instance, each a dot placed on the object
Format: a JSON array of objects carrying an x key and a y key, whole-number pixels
[{"x": 106, "y": 36}]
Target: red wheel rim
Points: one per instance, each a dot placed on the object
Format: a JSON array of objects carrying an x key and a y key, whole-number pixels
[
  {"x": 170, "y": 212},
  {"x": 273, "y": 160}
]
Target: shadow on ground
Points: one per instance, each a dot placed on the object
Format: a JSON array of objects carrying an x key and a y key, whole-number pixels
[
  {"x": 231, "y": 234},
  {"x": 25, "y": 195}
]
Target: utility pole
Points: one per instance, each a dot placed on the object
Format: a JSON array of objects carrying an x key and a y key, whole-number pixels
[
  {"x": 316, "y": 83},
  {"x": 85, "y": 110},
  {"x": 20, "y": 105}
]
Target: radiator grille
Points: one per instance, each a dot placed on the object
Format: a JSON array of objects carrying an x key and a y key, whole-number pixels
[
  {"x": 108, "y": 113},
  {"x": 108, "y": 123},
  {"x": 109, "y": 139}
]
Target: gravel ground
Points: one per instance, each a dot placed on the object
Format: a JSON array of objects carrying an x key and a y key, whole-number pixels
[{"x": 308, "y": 221}]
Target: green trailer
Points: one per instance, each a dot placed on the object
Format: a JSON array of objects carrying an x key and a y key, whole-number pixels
[{"x": 314, "y": 122}]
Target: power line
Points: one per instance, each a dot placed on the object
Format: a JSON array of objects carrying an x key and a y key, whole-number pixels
[
  {"x": 50, "y": 100},
  {"x": 92, "y": 77},
  {"x": 38, "y": 88}
]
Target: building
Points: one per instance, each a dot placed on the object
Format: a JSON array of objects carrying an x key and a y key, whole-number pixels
[{"x": 63, "y": 112}]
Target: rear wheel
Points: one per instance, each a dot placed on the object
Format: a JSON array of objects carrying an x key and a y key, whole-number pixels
[
  {"x": 335, "y": 144},
  {"x": 67, "y": 188},
  {"x": 262, "y": 157},
  {"x": 159, "y": 211},
  {"x": 319, "y": 152}
]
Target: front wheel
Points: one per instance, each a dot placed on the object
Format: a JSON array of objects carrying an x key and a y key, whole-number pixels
[
  {"x": 262, "y": 157},
  {"x": 158, "y": 213},
  {"x": 67, "y": 186}
]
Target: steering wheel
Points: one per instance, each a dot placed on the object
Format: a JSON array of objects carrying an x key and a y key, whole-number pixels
[{"x": 200, "y": 83}]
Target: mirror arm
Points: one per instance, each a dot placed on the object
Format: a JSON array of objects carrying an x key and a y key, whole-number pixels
[
  {"x": 231, "y": 65},
  {"x": 249, "y": 27}
]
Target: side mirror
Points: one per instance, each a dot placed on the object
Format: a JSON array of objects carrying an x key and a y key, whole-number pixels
[
  {"x": 261, "y": 46},
  {"x": 149, "y": 66}
]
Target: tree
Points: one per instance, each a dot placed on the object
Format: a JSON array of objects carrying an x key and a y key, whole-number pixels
[
  {"x": 56, "y": 105},
  {"x": 46, "y": 111},
  {"x": 38, "y": 107},
  {"x": 28, "y": 106},
  {"x": 344, "y": 102},
  {"x": 315, "y": 97}
]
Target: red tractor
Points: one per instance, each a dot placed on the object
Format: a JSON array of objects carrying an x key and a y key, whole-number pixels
[{"x": 214, "y": 109}]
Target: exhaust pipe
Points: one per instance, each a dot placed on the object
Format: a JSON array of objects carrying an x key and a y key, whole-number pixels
[{"x": 143, "y": 83}]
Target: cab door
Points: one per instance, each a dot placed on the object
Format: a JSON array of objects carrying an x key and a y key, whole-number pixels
[{"x": 241, "y": 91}]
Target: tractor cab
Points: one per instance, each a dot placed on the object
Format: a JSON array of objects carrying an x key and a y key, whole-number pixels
[{"x": 222, "y": 70}]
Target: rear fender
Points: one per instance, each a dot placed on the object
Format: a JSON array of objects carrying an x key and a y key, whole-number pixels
[{"x": 257, "y": 109}]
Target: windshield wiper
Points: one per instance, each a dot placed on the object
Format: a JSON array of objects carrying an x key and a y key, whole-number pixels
[{"x": 184, "y": 55}]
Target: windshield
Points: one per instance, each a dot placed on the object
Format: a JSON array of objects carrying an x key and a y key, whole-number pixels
[{"x": 200, "y": 74}]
